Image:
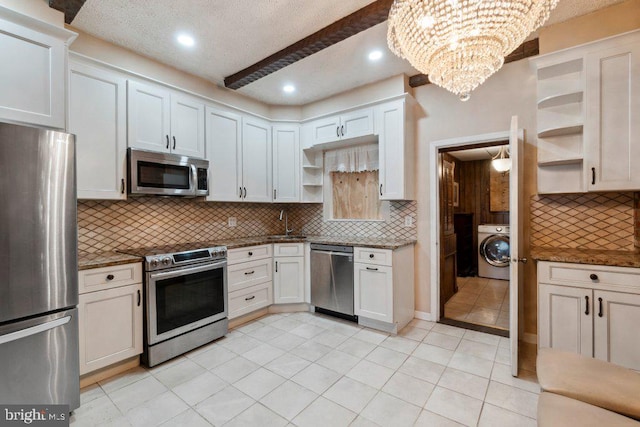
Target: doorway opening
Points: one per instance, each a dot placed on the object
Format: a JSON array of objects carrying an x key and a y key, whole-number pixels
[{"x": 474, "y": 235}]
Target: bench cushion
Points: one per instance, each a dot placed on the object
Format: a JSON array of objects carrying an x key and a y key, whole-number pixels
[
  {"x": 555, "y": 410},
  {"x": 590, "y": 380}
]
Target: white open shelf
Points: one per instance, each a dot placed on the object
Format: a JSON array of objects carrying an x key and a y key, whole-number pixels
[
  {"x": 572, "y": 129},
  {"x": 560, "y": 162},
  {"x": 561, "y": 99}
]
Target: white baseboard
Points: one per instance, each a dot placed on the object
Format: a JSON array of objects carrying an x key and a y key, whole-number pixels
[
  {"x": 423, "y": 316},
  {"x": 530, "y": 338}
]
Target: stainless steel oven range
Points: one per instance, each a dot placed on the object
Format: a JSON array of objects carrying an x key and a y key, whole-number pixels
[{"x": 185, "y": 299}]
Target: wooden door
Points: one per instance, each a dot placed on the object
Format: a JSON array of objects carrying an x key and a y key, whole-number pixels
[
  {"x": 288, "y": 280},
  {"x": 148, "y": 117},
  {"x": 187, "y": 126},
  {"x": 224, "y": 145},
  {"x": 286, "y": 163},
  {"x": 448, "y": 285},
  {"x": 256, "y": 160}
]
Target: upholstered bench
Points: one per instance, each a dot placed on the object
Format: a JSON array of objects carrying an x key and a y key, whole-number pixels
[{"x": 584, "y": 391}]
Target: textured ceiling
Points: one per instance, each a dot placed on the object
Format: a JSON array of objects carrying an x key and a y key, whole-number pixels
[{"x": 234, "y": 34}]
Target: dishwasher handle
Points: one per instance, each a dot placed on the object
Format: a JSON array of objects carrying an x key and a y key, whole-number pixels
[{"x": 315, "y": 251}]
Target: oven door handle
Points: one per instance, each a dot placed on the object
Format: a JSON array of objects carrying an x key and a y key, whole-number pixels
[{"x": 183, "y": 271}]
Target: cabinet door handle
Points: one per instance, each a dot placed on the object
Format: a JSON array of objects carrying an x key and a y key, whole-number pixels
[
  {"x": 586, "y": 305},
  {"x": 372, "y": 269},
  {"x": 593, "y": 277},
  {"x": 250, "y": 253},
  {"x": 245, "y": 192},
  {"x": 276, "y": 266},
  {"x": 250, "y": 298},
  {"x": 593, "y": 176},
  {"x": 167, "y": 141},
  {"x": 274, "y": 193},
  {"x": 174, "y": 142},
  {"x": 600, "y": 308},
  {"x": 122, "y": 186},
  {"x": 110, "y": 277},
  {"x": 342, "y": 129},
  {"x": 249, "y": 272},
  {"x": 381, "y": 189},
  {"x": 240, "y": 192},
  {"x": 139, "y": 298},
  {"x": 371, "y": 255},
  {"x": 338, "y": 131}
]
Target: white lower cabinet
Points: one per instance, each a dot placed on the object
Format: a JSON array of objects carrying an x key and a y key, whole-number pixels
[
  {"x": 590, "y": 310},
  {"x": 110, "y": 315},
  {"x": 250, "y": 279},
  {"x": 288, "y": 279},
  {"x": 383, "y": 287}
]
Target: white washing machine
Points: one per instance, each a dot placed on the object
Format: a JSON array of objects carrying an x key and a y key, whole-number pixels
[{"x": 493, "y": 251}]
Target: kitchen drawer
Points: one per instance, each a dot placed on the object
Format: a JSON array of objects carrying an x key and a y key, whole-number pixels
[
  {"x": 250, "y": 299},
  {"x": 590, "y": 276},
  {"x": 249, "y": 273},
  {"x": 372, "y": 256},
  {"x": 97, "y": 279},
  {"x": 288, "y": 249},
  {"x": 249, "y": 253}
]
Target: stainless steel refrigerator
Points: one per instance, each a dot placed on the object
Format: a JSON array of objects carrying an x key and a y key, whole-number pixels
[{"x": 38, "y": 268}]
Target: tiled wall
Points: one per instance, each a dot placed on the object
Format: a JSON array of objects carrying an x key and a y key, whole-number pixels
[
  {"x": 585, "y": 221},
  {"x": 150, "y": 221}
]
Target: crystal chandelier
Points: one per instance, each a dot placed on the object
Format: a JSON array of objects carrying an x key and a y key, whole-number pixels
[{"x": 460, "y": 43}]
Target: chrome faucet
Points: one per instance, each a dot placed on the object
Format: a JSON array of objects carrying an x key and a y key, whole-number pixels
[{"x": 283, "y": 212}]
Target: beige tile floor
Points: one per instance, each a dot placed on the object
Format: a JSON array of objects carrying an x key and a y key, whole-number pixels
[
  {"x": 480, "y": 301},
  {"x": 305, "y": 369}
]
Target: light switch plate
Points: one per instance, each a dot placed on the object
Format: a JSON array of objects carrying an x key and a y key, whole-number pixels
[
  {"x": 232, "y": 221},
  {"x": 408, "y": 221}
]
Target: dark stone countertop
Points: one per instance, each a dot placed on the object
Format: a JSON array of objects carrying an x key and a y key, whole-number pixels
[{"x": 587, "y": 256}]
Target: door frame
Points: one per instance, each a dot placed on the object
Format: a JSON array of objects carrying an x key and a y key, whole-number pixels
[{"x": 434, "y": 212}]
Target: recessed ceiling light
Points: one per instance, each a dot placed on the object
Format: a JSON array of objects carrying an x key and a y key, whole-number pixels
[
  {"x": 289, "y": 88},
  {"x": 186, "y": 40},
  {"x": 375, "y": 55}
]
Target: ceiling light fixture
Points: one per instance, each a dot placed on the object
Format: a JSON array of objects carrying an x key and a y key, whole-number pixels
[
  {"x": 460, "y": 43},
  {"x": 375, "y": 55},
  {"x": 289, "y": 88},
  {"x": 501, "y": 162},
  {"x": 185, "y": 40}
]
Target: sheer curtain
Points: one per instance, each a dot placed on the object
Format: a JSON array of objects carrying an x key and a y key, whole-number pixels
[{"x": 359, "y": 158}]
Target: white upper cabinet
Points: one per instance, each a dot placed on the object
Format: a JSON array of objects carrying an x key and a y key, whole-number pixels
[
  {"x": 396, "y": 151},
  {"x": 187, "y": 126},
  {"x": 160, "y": 120},
  {"x": 239, "y": 154},
  {"x": 98, "y": 118},
  {"x": 256, "y": 160},
  {"x": 33, "y": 55},
  {"x": 612, "y": 136},
  {"x": 286, "y": 163},
  {"x": 352, "y": 124},
  {"x": 587, "y": 109},
  {"x": 224, "y": 148}
]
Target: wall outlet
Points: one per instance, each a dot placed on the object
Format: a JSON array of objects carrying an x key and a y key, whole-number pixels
[
  {"x": 408, "y": 221},
  {"x": 232, "y": 221}
]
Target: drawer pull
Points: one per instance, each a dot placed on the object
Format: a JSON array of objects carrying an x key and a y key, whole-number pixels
[
  {"x": 600, "y": 313},
  {"x": 371, "y": 255},
  {"x": 372, "y": 269},
  {"x": 586, "y": 305},
  {"x": 276, "y": 266},
  {"x": 139, "y": 298},
  {"x": 249, "y": 272},
  {"x": 250, "y": 298},
  {"x": 110, "y": 277},
  {"x": 593, "y": 277},
  {"x": 250, "y": 253}
]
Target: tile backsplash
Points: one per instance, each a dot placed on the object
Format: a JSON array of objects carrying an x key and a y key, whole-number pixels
[
  {"x": 585, "y": 221},
  {"x": 150, "y": 221}
]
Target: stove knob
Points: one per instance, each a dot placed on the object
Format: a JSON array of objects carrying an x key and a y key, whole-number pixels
[
  {"x": 214, "y": 253},
  {"x": 223, "y": 253},
  {"x": 166, "y": 261},
  {"x": 154, "y": 262}
]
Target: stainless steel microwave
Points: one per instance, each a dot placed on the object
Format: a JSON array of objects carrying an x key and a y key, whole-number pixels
[{"x": 165, "y": 174}]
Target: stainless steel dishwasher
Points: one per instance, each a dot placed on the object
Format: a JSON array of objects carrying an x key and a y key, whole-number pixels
[{"x": 332, "y": 280}]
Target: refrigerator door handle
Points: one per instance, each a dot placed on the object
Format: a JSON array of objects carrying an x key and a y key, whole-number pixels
[{"x": 23, "y": 333}]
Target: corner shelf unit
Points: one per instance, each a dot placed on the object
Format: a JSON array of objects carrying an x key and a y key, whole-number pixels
[
  {"x": 312, "y": 176},
  {"x": 561, "y": 114}
]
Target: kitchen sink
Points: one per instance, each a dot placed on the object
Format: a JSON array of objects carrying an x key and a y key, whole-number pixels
[{"x": 286, "y": 237}]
